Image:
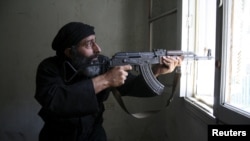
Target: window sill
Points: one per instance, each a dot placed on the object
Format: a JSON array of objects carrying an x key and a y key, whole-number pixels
[{"x": 200, "y": 110}]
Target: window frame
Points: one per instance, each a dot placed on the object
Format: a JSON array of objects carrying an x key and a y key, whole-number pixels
[
  {"x": 224, "y": 113},
  {"x": 220, "y": 113}
]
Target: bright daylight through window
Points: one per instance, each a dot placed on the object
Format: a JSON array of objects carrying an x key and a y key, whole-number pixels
[
  {"x": 199, "y": 20},
  {"x": 199, "y": 34},
  {"x": 236, "y": 72}
]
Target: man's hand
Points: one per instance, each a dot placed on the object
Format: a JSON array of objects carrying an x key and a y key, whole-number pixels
[
  {"x": 112, "y": 78},
  {"x": 117, "y": 75},
  {"x": 168, "y": 65}
]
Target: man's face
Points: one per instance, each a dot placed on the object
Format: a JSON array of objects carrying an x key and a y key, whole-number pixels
[
  {"x": 84, "y": 56},
  {"x": 88, "y": 47}
]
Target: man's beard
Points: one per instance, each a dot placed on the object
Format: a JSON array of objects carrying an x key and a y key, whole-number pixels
[{"x": 86, "y": 66}]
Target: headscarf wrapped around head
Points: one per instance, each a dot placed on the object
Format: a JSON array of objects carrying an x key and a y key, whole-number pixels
[{"x": 71, "y": 34}]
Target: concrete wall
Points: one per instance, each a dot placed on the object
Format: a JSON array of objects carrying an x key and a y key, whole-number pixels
[{"x": 27, "y": 29}]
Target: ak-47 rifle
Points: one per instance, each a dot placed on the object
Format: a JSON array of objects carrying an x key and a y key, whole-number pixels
[
  {"x": 145, "y": 59},
  {"x": 141, "y": 62}
]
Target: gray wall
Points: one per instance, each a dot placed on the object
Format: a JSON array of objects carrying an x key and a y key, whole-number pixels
[{"x": 27, "y": 29}]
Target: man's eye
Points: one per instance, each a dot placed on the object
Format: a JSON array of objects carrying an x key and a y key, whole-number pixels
[{"x": 90, "y": 43}]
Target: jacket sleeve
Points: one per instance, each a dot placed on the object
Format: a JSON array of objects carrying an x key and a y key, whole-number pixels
[{"x": 58, "y": 98}]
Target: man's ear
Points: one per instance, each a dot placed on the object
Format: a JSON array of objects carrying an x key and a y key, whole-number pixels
[{"x": 67, "y": 52}]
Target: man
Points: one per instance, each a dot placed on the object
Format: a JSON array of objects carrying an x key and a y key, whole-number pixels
[{"x": 72, "y": 85}]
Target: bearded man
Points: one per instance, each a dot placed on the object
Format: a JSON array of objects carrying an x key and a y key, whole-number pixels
[{"x": 72, "y": 85}]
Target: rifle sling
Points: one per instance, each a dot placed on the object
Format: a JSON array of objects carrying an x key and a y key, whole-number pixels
[{"x": 145, "y": 114}]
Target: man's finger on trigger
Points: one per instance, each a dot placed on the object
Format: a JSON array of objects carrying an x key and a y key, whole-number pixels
[{"x": 127, "y": 67}]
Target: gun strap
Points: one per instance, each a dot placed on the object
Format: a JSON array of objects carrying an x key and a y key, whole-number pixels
[{"x": 145, "y": 114}]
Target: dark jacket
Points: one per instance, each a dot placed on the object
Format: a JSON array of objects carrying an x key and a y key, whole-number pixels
[{"x": 72, "y": 111}]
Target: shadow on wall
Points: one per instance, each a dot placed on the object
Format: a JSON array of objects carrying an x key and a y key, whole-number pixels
[{"x": 11, "y": 136}]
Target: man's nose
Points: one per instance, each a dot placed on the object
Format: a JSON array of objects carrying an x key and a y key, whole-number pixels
[{"x": 96, "y": 48}]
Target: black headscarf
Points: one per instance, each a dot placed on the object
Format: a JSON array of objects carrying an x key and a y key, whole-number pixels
[{"x": 71, "y": 34}]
